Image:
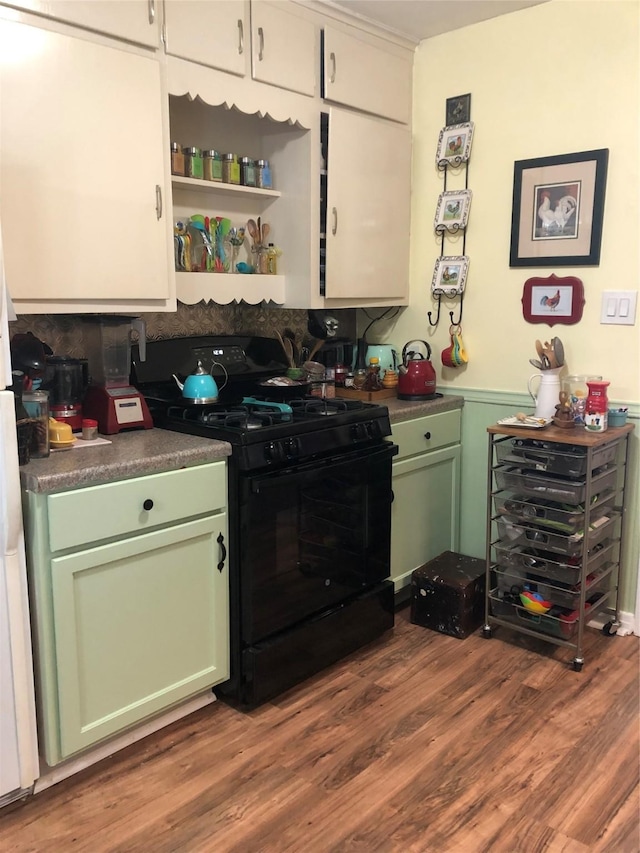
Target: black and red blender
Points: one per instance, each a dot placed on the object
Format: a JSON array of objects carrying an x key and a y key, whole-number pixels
[
  {"x": 65, "y": 379},
  {"x": 110, "y": 398}
]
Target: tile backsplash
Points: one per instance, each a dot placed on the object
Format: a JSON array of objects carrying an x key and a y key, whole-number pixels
[{"x": 64, "y": 332}]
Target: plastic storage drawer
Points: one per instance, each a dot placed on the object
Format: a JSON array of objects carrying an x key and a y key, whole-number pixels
[
  {"x": 546, "y": 514},
  {"x": 565, "y": 595},
  {"x": 558, "y": 543},
  {"x": 558, "y": 622},
  {"x": 550, "y": 565},
  {"x": 551, "y": 488},
  {"x": 552, "y": 458}
]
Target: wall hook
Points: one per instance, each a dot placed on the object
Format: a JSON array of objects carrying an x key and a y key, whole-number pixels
[
  {"x": 438, "y": 316},
  {"x": 459, "y": 320}
]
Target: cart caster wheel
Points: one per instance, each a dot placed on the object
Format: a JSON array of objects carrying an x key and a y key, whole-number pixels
[
  {"x": 610, "y": 629},
  {"x": 577, "y": 665},
  {"x": 486, "y": 632}
]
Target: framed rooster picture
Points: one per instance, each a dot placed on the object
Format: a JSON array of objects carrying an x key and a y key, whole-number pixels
[
  {"x": 558, "y": 210},
  {"x": 553, "y": 300},
  {"x": 454, "y": 144}
]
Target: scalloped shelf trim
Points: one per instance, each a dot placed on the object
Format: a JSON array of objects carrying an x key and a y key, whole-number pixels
[{"x": 224, "y": 288}]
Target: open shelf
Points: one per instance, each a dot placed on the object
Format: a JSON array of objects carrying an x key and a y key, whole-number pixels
[{"x": 198, "y": 185}]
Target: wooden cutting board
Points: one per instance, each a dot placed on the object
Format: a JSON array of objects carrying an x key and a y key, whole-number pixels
[{"x": 366, "y": 396}]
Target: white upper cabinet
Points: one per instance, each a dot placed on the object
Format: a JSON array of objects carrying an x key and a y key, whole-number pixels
[
  {"x": 368, "y": 208},
  {"x": 83, "y": 170},
  {"x": 283, "y": 48},
  {"x": 358, "y": 74},
  {"x": 133, "y": 20},
  {"x": 281, "y": 44},
  {"x": 210, "y": 33}
]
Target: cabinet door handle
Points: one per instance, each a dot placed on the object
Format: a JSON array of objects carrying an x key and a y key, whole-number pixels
[
  {"x": 334, "y": 212},
  {"x": 240, "y": 37},
  {"x": 147, "y": 505},
  {"x": 158, "y": 201},
  {"x": 332, "y": 76},
  {"x": 261, "y": 44},
  {"x": 152, "y": 11},
  {"x": 427, "y": 435},
  {"x": 220, "y": 541}
]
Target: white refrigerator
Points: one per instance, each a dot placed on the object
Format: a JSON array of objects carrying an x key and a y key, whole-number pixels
[{"x": 18, "y": 743}]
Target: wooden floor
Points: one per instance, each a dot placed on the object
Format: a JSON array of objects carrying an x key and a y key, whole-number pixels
[{"x": 420, "y": 742}]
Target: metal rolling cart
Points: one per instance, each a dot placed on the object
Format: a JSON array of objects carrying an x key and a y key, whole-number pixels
[{"x": 555, "y": 527}]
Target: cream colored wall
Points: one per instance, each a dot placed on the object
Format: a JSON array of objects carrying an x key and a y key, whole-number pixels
[{"x": 557, "y": 78}]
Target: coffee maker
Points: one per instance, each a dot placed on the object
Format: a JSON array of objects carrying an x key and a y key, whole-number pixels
[
  {"x": 110, "y": 398},
  {"x": 66, "y": 381}
]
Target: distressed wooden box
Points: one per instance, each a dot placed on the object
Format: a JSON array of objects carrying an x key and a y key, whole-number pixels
[{"x": 447, "y": 594}]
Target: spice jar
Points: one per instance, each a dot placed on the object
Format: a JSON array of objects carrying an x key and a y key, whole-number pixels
[
  {"x": 212, "y": 165},
  {"x": 193, "y": 163},
  {"x": 177, "y": 159},
  {"x": 263, "y": 175},
  {"x": 36, "y": 404},
  {"x": 89, "y": 429},
  {"x": 247, "y": 172},
  {"x": 230, "y": 169},
  {"x": 329, "y": 383},
  {"x": 340, "y": 371}
]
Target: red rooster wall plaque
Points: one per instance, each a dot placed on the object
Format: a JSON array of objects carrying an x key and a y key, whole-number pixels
[{"x": 553, "y": 300}]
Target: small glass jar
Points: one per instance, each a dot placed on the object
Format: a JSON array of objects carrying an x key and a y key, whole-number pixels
[
  {"x": 263, "y": 175},
  {"x": 230, "y": 169},
  {"x": 89, "y": 429},
  {"x": 359, "y": 378},
  {"x": 329, "y": 383},
  {"x": 247, "y": 172},
  {"x": 212, "y": 165},
  {"x": 340, "y": 371},
  {"x": 177, "y": 159},
  {"x": 36, "y": 404},
  {"x": 272, "y": 260},
  {"x": 193, "y": 163}
]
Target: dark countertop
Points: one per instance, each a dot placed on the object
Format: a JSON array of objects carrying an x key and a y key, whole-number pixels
[
  {"x": 405, "y": 410},
  {"x": 130, "y": 454}
]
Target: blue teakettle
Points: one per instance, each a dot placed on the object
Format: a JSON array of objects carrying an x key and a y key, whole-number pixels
[{"x": 200, "y": 387}]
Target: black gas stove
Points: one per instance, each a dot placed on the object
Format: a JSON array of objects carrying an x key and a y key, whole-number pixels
[
  {"x": 265, "y": 433},
  {"x": 309, "y": 509}
]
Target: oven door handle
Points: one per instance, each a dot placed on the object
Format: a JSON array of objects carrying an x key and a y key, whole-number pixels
[{"x": 319, "y": 468}]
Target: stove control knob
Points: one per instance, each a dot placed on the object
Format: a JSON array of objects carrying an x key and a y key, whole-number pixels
[
  {"x": 359, "y": 432},
  {"x": 273, "y": 451},
  {"x": 292, "y": 447}
]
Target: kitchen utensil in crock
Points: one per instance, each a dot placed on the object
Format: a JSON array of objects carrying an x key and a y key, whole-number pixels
[
  {"x": 200, "y": 387},
  {"x": 287, "y": 347},
  {"x": 558, "y": 351},
  {"x": 315, "y": 348},
  {"x": 252, "y": 228}
]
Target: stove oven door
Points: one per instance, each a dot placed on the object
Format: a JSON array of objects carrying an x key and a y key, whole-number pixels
[{"x": 312, "y": 537}]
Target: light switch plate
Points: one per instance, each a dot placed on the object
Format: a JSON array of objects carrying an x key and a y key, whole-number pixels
[{"x": 619, "y": 307}]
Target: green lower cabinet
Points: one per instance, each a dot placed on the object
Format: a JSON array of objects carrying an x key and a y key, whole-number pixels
[
  {"x": 139, "y": 625},
  {"x": 129, "y": 627},
  {"x": 425, "y": 509}
]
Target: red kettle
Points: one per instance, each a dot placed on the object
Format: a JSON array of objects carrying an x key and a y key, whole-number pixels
[{"x": 416, "y": 376}]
